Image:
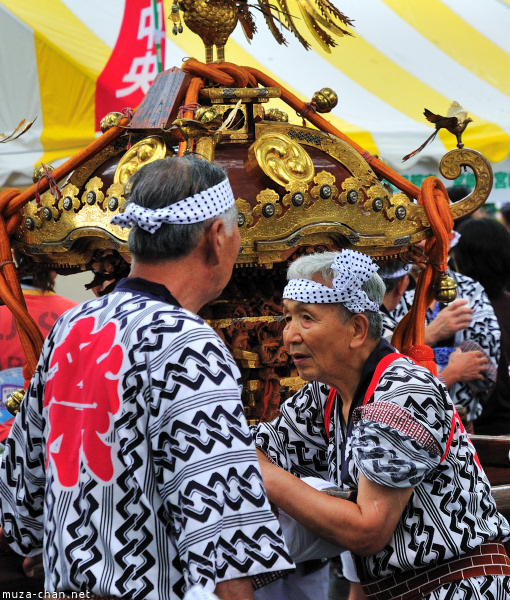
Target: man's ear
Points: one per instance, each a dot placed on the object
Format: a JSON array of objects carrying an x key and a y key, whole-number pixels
[
  {"x": 360, "y": 330},
  {"x": 214, "y": 240}
]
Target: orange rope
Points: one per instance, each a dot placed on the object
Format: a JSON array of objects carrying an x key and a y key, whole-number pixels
[
  {"x": 409, "y": 335},
  {"x": 11, "y": 205}
]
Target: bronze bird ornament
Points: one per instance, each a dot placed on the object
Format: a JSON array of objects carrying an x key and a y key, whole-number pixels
[
  {"x": 215, "y": 20},
  {"x": 455, "y": 122}
]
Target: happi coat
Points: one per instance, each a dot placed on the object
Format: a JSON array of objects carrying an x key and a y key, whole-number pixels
[
  {"x": 399, "y": 438},
  {"x": 130, "y": 465}
]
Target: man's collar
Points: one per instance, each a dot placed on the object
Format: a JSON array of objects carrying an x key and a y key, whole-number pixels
[
  {"x": 154, "y": 290},
  {"x": 380, "y": 351}
]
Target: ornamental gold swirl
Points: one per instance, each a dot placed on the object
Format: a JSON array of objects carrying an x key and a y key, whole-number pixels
[
  {"x": 145, "y": 151},
  {"x": 282, "y": 159},
  {"x": 450, "y": 167}
]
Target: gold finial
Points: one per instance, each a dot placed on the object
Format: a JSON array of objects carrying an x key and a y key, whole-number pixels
[
  {"x": 110, "y": 120},
  {"x": 325, "y": 100},
  {"x": 41, "y": 170}
]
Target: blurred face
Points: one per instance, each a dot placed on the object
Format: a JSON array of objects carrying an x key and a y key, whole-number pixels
[{"x": 317, "y": 339}]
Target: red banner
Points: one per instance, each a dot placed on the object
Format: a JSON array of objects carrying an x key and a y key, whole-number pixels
[{"x": 133, "y": 64}]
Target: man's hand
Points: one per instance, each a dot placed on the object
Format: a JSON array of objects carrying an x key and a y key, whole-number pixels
[
  {"x": 455, "y": 317},
  {"x": 33, "y": 566},
  {"x": 464, "y": 366}
]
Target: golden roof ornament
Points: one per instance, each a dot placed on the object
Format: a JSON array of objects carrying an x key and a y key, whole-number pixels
[
  {"x": 325, "y": 100},
  {"x": 110, "y": 120},
  {"x": 215, "y": 20},
  {"x": 40, "y": 171}
]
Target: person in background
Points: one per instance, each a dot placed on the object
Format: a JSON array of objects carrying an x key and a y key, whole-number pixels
[
  {"x": 465, "y": 337},
  {"x": 505, "y": 215},
  {"x": 421, "y": 523},
  {"x": 483, "y": 253},
  {"x": 130, "y": 465},
  {"x": 395, "y": 276},
  {"x": 44, "y": 306}
]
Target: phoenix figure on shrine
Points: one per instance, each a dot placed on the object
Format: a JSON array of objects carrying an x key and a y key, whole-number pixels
[{"x": 215, "y": 20}]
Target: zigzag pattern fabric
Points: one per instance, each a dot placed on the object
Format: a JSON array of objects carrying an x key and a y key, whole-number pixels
[
  {"x": 484, "y": 330},
  {"x": 131, "y": 465},
  {"x": 398, "y": 439}
]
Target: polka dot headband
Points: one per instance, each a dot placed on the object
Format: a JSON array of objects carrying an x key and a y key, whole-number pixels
[
  {"x": 202, "y": 206},
  {"x": 354, "y": 269}
]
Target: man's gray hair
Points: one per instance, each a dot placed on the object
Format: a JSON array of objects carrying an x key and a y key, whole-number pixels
[
  {"x": 319, "y": 264},
  {"x": 162, "y": 183}
]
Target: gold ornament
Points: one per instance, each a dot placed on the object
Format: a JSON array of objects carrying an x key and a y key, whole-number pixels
[
  {"x": 13, "y": 402},
  {"x": 175, "y": 17},
  {"x": 282, "y": 159},
  {"x": 110, "y": 120},
  {"x": 145, "y": 151},
  {"x": 208, "y": 114},
  {"x": 39, "y": 171},
  {"x": 325, "y": 100},
  {"x": 446, "y": 289},
  {"x": 275, "y": 114}
]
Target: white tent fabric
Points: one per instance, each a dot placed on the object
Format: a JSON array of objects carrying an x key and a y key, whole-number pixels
[{"x": 404, "y": 57}]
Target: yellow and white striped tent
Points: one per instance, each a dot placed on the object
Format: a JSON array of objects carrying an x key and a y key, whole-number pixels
[{"x": 406, "y": 55}]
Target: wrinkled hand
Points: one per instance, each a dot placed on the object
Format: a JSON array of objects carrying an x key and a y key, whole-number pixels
[
  {"x": 455, "y": 317},
  {"x": 465, "y": 366}
]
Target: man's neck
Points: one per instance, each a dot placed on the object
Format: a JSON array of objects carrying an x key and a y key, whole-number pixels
[{"x": 186, "y": 279}]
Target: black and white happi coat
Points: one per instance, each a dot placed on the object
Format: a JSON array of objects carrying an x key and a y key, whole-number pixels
[
  {"x": 398, "y": 439},
  {"x": 484, "y": 330},
  {"x": 130, "y": 464}
]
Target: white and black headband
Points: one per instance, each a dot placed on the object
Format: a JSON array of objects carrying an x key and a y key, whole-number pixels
[
  {"x": 354, "y": 269},
  {"x": 404, "y": 270},
  {"x": 202, "y": 206}
]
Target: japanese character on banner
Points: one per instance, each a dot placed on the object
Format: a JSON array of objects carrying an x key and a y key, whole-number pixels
[
  {"x": 82, "y": 398},
  {"x": 144, "y": 68},
  {"x": 135, "y": 60}
]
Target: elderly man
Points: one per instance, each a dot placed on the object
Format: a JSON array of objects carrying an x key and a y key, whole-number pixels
[
  {"x": 130, "y": 464},
  {"x": 374, "y": 421}
]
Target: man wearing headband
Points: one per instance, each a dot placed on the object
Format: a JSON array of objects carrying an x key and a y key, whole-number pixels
[
  {"x": 424, "y": 524},
  {"x": 130, "y": 465}
]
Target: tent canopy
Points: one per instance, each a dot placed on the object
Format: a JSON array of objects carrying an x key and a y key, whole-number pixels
[{"x": 59, "y": 56}]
